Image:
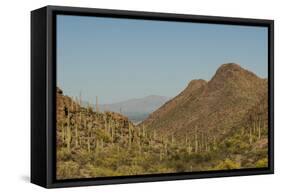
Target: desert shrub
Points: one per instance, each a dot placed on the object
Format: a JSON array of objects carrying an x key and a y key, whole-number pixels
[
  {"x": 262, "y": 163},
  {"x": 158, "y": 168},
  {"x": 236, "y": 146},
  {"x": 81, "y": 156},
  {"x": 200, "y": 157},
  {"x": 68, "y": 169},
  {"x": 130, "y": 170},
  {"x": 63, "y": 154},
  {"x": 227, "y": 164},
  {"x": 109, "y": 160},
  {"x": 101, "y": 134},
  {"x": 101, "y": 171}
]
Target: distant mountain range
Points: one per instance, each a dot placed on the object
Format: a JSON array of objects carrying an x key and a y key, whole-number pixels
[{"x": 136, "y": 109}]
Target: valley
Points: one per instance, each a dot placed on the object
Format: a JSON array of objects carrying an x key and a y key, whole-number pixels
[{"x": 218, "y": 124}]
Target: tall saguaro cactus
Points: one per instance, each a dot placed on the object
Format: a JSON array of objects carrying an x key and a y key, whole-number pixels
[
  {"x": 112, "y": 131},
  {"x": 172, "y": 139},
  {"x": 214, "y": 143},
  {"x": 97, "y": 104},
  {"x": 88, "y": 144},
  {"x": 80, "y": 98},
  {"x": 72, "y": 105},
  {"x": 143, "y": 130},
  {"x": 76, "y": 136},
  {"x": 196, "y": 140},
  {"x": 250, "y": 136},
  {"x": 63, "y": 133},
  {"x": 154, "y": 135},
  {"x": 68, "y": 134},
  {"x": 259, "y": 128},
  {"x": 130, "y": 136},
  {"x": 189, "y": 147}
]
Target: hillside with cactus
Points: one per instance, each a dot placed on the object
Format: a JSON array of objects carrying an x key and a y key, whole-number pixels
[
  {"x": 212, "y": 107},
  {"x": 216, "y": 125}
]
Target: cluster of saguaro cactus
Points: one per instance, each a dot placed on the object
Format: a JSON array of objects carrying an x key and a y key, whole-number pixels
[
  {"x": 256, "y": 127},
  {"x": 107, "y": 142},
  {"x": 90, "y": 129}
]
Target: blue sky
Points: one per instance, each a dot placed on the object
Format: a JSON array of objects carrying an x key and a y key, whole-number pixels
[{"x": 120, "y": 59}]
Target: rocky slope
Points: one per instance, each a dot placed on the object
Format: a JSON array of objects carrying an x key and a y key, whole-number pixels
[{"x": 212, "y": 107}]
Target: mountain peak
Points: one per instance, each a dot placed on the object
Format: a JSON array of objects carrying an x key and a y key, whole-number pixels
[
  {"x": 233, "y": 74},
  {"x": 195, "y": 84},
  {"x": 229, "y": 68}
]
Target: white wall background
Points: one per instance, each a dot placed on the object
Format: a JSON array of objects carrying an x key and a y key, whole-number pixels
[{"x": 15, "y": 94}]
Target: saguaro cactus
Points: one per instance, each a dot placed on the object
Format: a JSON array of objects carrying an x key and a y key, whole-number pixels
[
  {"x": 62, "y": 133},
  {"x": 88, "y": 144},
  {"x": 250, "y": 136},
  {"x": 80, "y": 98},
  {"x": 101, "y": 143},
  {"x": 76, "y": 103},
  {"x": 160, "y": 154},
  {"x": 97, "y": 146},
  {"x": 76, "y": 136},
  {"x": 189, "y": 147},
  {"x": 165, "y": 148},
  {"x": 80, "y": 118},
  {"x": 206, "y": 144},
  {"x": 196, "y": 141},
  {"x": 154, "y": 134},
  {"x": 68, "y": 132},
  {"x": 202, "y": 142},
  {"x": 72, "y": 105},
  {"x": 143, "y": 130},
  {"x": 254, "y": 126},
  {"x": 112, "y": 131},
  {"x": 259, "y": 128},
  {"x": 214, "y": 143},
  {"x": 97, "y": 106},
  {"x": 130, "y": 137}
]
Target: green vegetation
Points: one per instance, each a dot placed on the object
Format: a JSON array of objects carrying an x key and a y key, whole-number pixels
[{"x": 95, "y": 144}]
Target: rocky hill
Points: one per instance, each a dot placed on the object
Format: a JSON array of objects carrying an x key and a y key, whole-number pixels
[
  {"x": 81, "y": 127},
  {"x": 212, "y": 107}
]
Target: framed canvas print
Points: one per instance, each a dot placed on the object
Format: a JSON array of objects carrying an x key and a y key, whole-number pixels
[{"x": 126, "y": 96}]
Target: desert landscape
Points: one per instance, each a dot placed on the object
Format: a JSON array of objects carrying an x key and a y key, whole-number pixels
[{"x": 216, "y": 124}]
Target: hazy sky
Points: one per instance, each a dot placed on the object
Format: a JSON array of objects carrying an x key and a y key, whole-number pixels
[{"x": 120, "y": 59}]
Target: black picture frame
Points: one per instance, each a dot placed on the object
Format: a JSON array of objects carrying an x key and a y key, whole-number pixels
[{"x": 43, "y": 95}]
